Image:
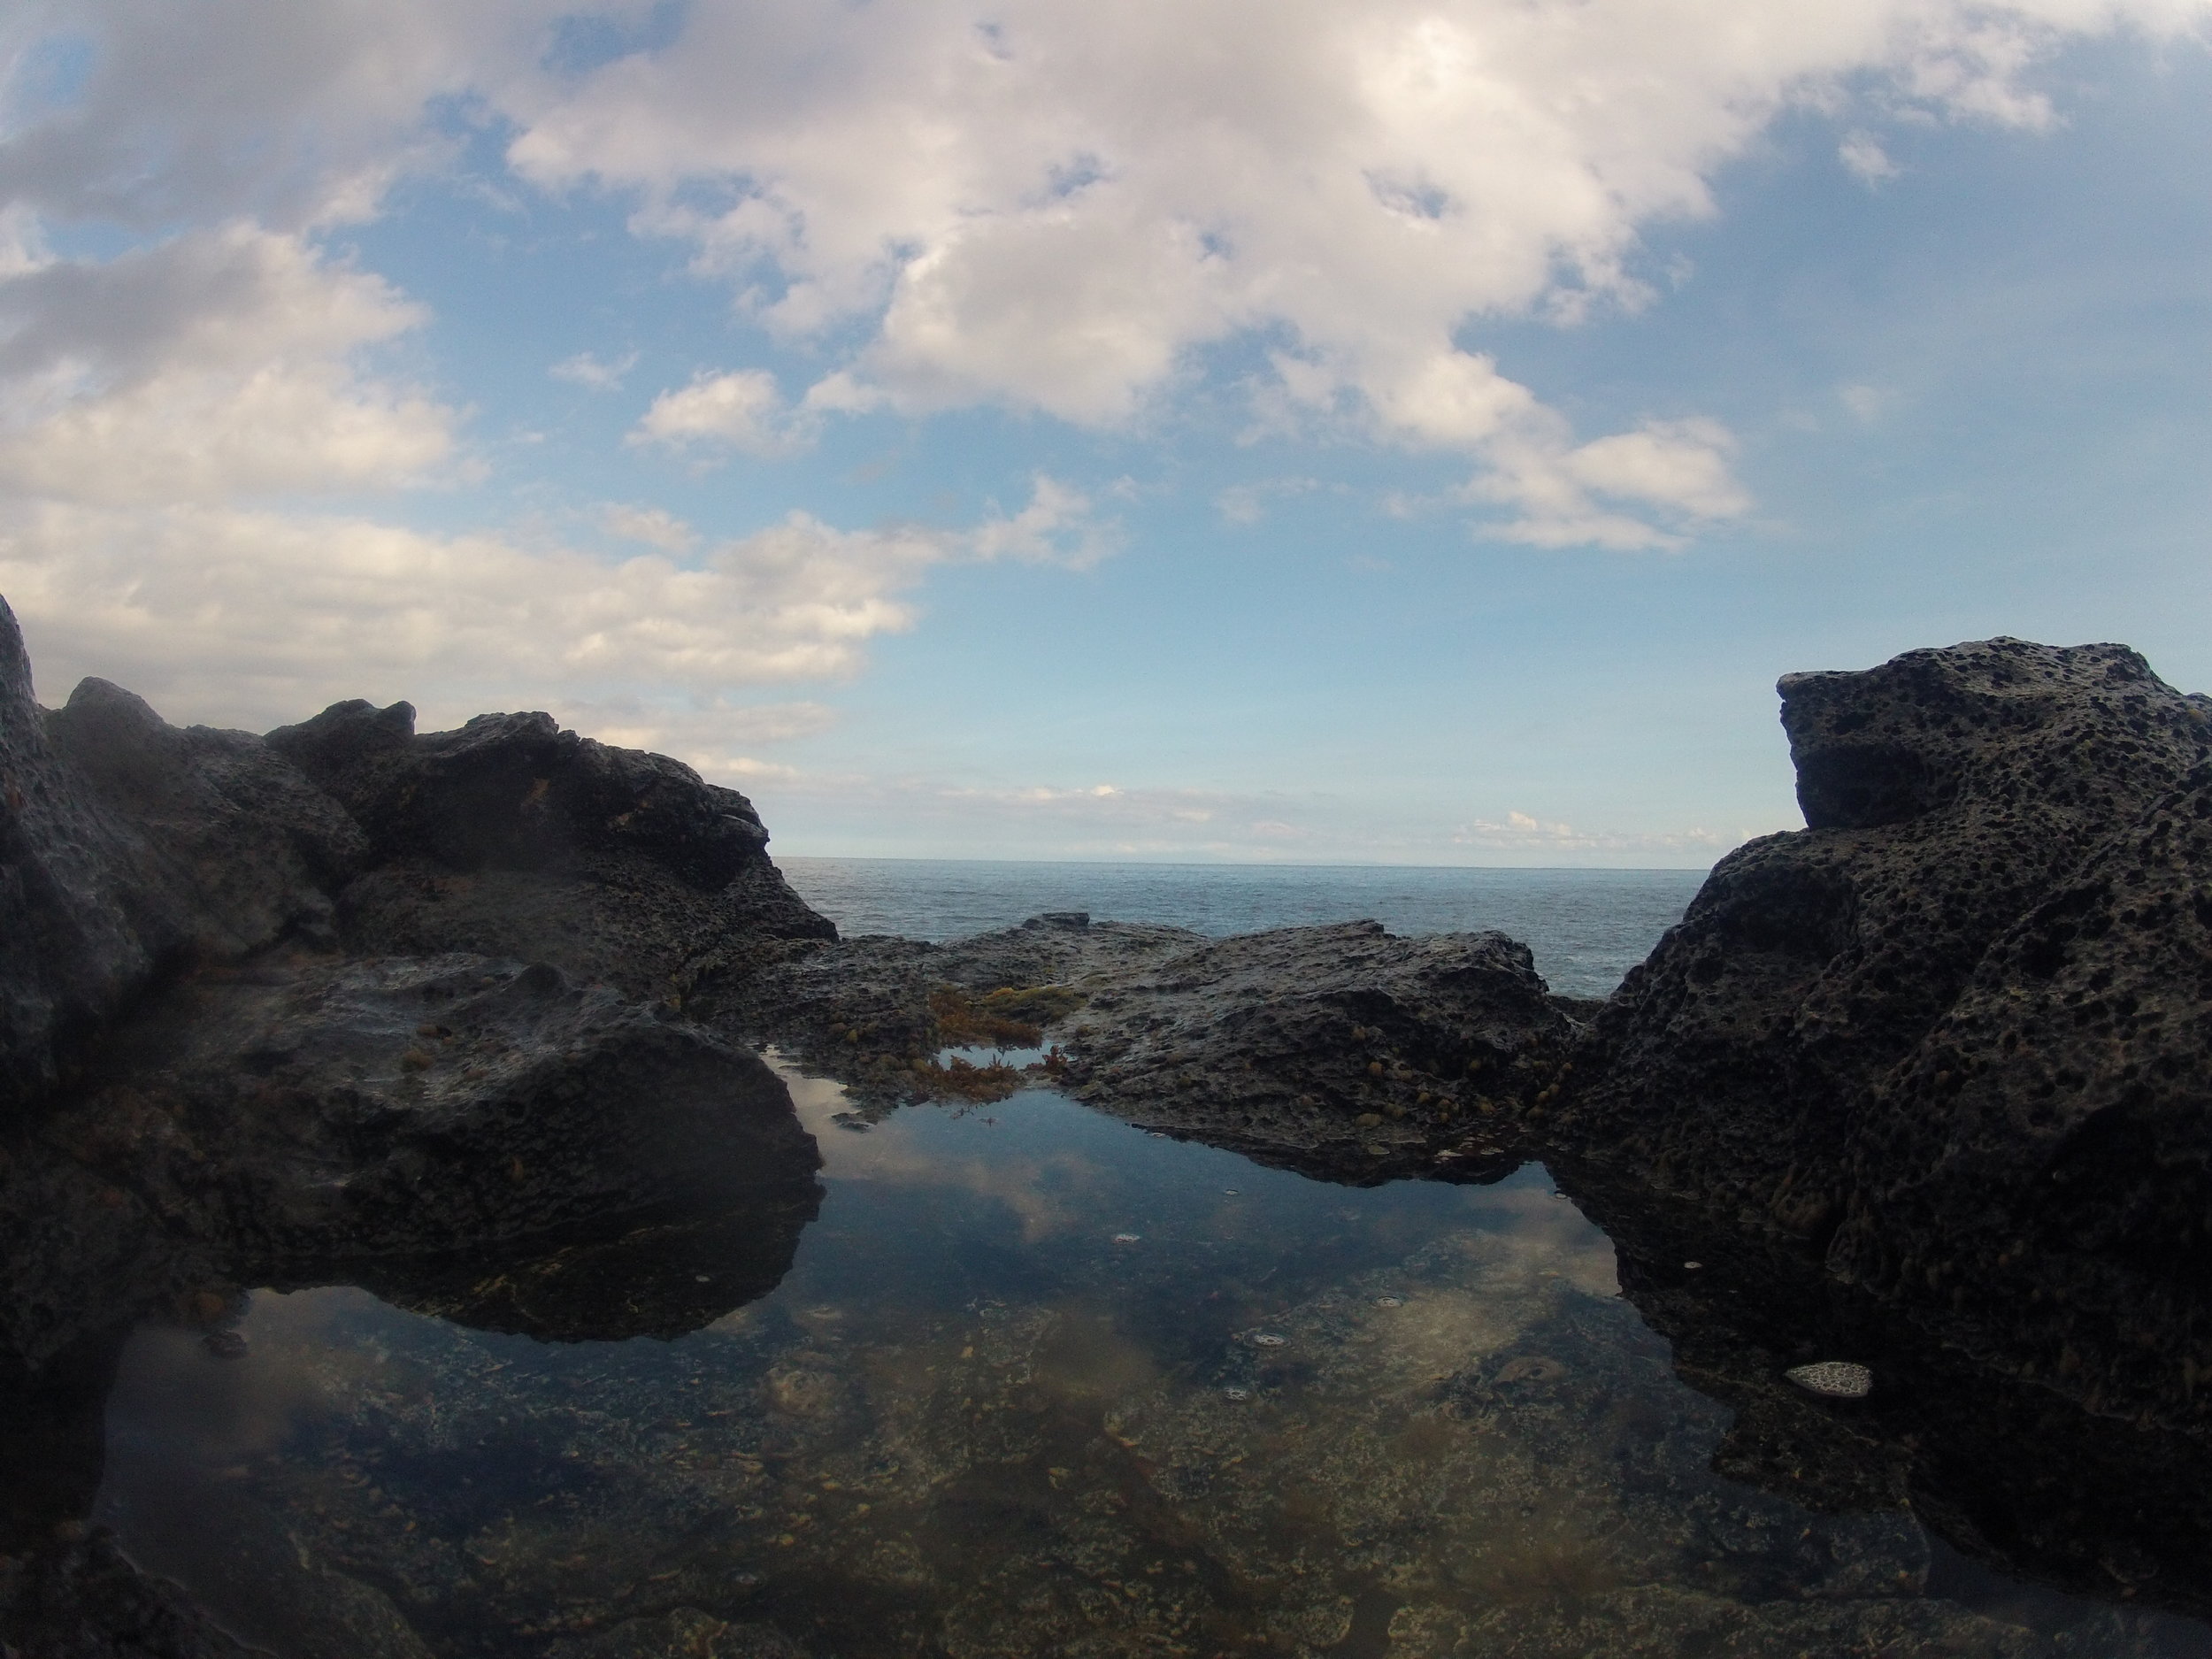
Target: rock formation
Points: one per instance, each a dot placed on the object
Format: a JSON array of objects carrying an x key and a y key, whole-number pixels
[
  {"x": 360, "y": 994},
  {"x": 1951, "y": 1035}
]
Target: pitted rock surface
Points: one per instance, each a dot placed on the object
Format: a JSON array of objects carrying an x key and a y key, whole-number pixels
[
  {"x": 1947, "y": 794},
  {"x": 1343, "y": 1051}
]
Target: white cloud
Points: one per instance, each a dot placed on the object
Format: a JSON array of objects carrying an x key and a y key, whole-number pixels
[
  {"x": 1868, "y": 403},
  {"x": 742, "y": 409},
  {"x": 217, "y": 363},
  {"x": 1058, "y": 208},
  {"x": 586, "y": 370},
  {"x": 296, "y": 115},
  {"x": 218, "y": 612},
  {"x": 1862, "y": 153},
  {"x": 1524, "y": 832},
  {"x": 655, "y": 527},
  {"x": 1676, "y": 470}
]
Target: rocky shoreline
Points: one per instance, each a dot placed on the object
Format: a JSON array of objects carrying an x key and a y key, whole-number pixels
[{"x": 473, "y": 1019}]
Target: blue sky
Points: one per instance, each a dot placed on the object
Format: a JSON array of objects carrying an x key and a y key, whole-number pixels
[{"x": 1312, "y": 432}]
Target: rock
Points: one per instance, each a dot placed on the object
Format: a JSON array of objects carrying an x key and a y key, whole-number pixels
[
  {"x": 512, "y": 837},
  {"x": 1946, "y": 793},
  {"x": 420, "y": 1105},
  {"x": 861, "y": 1010},
  {"x": 1340, "y": 1051},
  {"x": 128, "y": 847},
  {"x": 2037, "y": 1174},
  {"x": 248, "y": 851},
  {"x": 686, "y": 1632},
  {"x": 84, "y": 1598}
]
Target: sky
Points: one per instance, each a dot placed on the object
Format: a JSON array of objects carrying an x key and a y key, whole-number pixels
[{"x": 1408, "y": 431}]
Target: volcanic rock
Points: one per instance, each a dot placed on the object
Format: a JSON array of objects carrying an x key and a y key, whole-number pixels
[
  {"x": 1340, "y": 1051},
  {"x": 1946, "y": 795},
  {"x": 512, "y": 837},
  {"x": 128, "y": 848}
]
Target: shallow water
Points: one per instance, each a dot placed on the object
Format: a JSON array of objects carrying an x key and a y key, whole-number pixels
[
  {"x": 1038, "y": 1382},
  {"x": 1587, "y": 928}
]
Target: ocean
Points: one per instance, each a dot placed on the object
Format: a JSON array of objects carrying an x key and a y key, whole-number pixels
[{"x": 1587, "y": 927}]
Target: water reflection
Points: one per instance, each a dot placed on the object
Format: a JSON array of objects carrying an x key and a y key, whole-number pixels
[{"x": 1037, "y": 1381}]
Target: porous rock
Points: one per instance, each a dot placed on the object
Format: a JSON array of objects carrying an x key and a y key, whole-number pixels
[
  {"x": 1342, "y": 1051},
  {"x": 1946, "y": 793},
  {"x": 2048, "y": 1146}
]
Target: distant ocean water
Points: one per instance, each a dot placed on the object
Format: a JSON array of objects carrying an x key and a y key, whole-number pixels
[{"x": 1587, "y": 928}]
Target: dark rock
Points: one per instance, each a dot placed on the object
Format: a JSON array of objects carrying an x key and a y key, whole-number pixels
[
  {"x": 414, "y": 1106},
  {"x": 1340, "y": 1051},
  {"x": 128, "y": 847},
  {"x": 2039, "y": 1169},
  {"x": 512, "y": 837},
  {"x": 861, "y": 1010},
  {"x": 688, "y": 1632},
  {"x": 248, "y": 849},
  {"x": 1948, "y": 793},
  {"x": 80, "y": 1599},
  {"x": 309, "y": 1120}
]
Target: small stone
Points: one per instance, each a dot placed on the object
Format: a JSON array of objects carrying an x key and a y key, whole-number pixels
[
  {"x": 1235, "y": 1392},
  {"x": 1268, "y": 1339},
  {"x": 1832, "y": 1379},
  {"x": 1127, "y": 1238},
  {"x": 1692, "y": 1267},
  {"x": 224, "y": 1344},
  {"x": 1390, "y": 1301}
]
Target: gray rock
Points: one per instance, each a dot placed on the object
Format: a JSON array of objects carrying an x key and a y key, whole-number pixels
[
  {"x": 2036, "y": 1176},
  {"x": 1947, "y": 794},
  {"x": 512, "y": 837},
  {"x": 128, "y": 847},
  {"x": 1341, "y": 1051}
]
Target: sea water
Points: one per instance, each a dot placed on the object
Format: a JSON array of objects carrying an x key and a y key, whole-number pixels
[
  {"x": 1039, "y": 1382},
  {"x": 1587, "y": 928}
]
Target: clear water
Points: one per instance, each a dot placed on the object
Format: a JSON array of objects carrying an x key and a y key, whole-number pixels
[
  {"x": 1039, "y": 1382},
  {"x": 1587, "y": 928}
]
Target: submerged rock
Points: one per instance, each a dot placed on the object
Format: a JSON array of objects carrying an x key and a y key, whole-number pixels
[{"x": 1832, "y": 1379}]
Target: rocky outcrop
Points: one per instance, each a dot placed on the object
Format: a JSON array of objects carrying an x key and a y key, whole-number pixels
[
  {"x": 512, "y": 837},
  {"x": 1946, "y": 795},
  {"x": 251, "y": 1032},
  {"x": 1340, "y": 1051},
  {"x": 1951, "y": 1035},
  {"x": 128, "y": 848}
]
